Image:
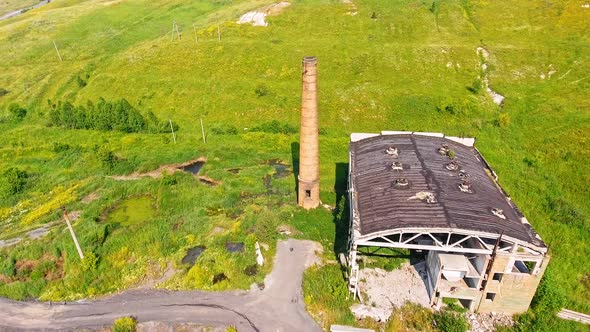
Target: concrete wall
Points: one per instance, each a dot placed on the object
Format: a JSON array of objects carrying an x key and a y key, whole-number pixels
[{"x": 514, "y": 293}]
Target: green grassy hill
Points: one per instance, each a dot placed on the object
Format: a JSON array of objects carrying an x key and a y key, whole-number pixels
[{"x": 394, "y": 65}]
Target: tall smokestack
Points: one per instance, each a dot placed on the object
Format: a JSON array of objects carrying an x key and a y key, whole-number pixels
[{"x": 309, "y": 159}]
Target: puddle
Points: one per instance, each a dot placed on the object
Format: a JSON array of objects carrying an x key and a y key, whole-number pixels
[
  {"x": 193, "y": 167},
  {"x": 192, "y": 254},
  {"x": 251, "y": 270},
  {"x": 234, "y": 246},
  {"x": 133, "y": 210},
  {"x": 219, "y": 278},
  {"x": 281, "y": 170}
]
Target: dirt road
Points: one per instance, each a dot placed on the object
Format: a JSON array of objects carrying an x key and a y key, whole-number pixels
[{"x": 279, "y": 307}]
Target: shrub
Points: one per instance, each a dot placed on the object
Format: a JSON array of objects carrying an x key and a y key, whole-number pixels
[
  {"x": 261, "y": 90},
  {"x": 448, "y": 321},
  {"x": 8, "y": 266},
  {"x": 17, "y": 112},
  {"x": 224, "y": 129},
  {"x": 106, "y": 116},
  {"x": 106, "y": 157},
  {"x": 80, "y": 81},
  {"x": 3, "y": 92},
  {"x": 13, "y": 181},
  {"x": 476, "y": 86},
  {"x": 125, "y": 324},
  {"x": 60, "y": 147},
  {"x": 275, "y": 127},
  {"x": 89, "y": 262}
]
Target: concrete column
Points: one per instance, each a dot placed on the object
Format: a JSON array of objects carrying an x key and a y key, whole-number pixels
[{"x": 309, "y": 160}]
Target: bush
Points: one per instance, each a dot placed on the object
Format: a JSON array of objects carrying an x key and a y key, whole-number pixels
[
  {"x": 8, "y": 266},
  {"x": 106, "y": 157},
  {"x": 125, "y": 324},
  {"x": 60, "y": 147},
  {"x": 80, "y": 81},
  {"x": 275, "y": 127},
  {"x": 89, "y": 262},
  {"x": 106, "y": 116},
  {"x": 448, "y": 321},
  {"x": 12, "y": 182},
  {"x": 17, "y": 112},
  {"x": 3, "y": 92},
  {"x": 224, "y": 129},
  {"x": 261, "y": 90}
]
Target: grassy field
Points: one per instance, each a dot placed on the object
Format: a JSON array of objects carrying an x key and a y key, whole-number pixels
[{"x": 404, "y": 65}]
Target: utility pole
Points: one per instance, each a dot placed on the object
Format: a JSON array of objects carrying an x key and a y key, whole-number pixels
[
  {"x": 218, "y": 33},
  {"x": 58, "y": 55},
  {"x": 203, "y": 131},
  {"x": 67, "y": 219},
  {"x": 172, "y": 33},
  {"x": 177, "y": 32},
  {"x": 172, "y": 128},
  {"x": 196, "y": 37}
]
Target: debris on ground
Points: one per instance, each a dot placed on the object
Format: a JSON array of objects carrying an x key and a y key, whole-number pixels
[
  {"x": 383, "y": 291},
  {"x": 487, "y": 322},
  {"x": 484, "y": 55},
  {"x": 259, "y": 258},
  {"x": 258, "y": 17}
]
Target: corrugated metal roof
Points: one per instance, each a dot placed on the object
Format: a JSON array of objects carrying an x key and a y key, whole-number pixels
[{"x": 383, "y": 205}]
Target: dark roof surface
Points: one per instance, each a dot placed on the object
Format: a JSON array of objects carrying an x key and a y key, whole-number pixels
[{"x": 382, "y": 206}]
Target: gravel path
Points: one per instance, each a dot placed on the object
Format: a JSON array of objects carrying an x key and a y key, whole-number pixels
[{"x": 279, "y": 307}]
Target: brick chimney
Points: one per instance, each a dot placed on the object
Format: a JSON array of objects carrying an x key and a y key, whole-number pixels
[{"x": 309, "y": 159}]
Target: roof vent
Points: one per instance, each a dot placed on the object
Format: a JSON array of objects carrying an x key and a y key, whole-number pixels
[
  {"x": 465, "y": 187},
  {"x": 463, "y": 174},
  {"x": 401, "y": 183},
  {"x": 392, "y": 151},
  {"x": 424, "y": 196},
  {"x": 444, "y": 150},
  {"x": 397, "y": 166},
  {"x": 498, "y": 213},
  {"x": 452, "y": 166}
]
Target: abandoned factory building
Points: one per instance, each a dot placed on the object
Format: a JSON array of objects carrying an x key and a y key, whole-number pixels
[{"x": 437, "y": 196}]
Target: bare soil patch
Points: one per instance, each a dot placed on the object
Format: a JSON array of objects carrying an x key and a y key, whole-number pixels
[{"x": 164, "y": 169}]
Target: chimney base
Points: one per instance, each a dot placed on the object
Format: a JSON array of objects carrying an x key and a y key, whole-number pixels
[{"x": 308, "y": 196}]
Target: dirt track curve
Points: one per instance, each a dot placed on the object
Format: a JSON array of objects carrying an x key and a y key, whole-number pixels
[{"x": 279, "y": 307}]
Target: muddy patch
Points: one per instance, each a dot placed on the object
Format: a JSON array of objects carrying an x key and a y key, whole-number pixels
[
  {"x": 191, "y": 166},
  {"x": 234, "y": 247},
  {"x": 192, "y": 254},
  {"x": 93, "y": 196},
  {"x": 282, "y": 170},
  {"x": 208, "y": 181},
  {"x": 258, "y": 17},
  {"x": 234, "y": 170}
]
